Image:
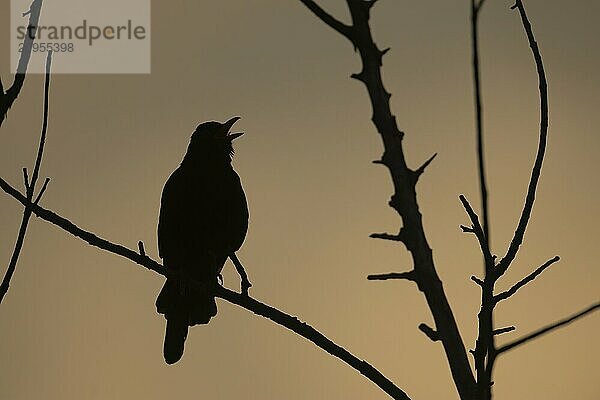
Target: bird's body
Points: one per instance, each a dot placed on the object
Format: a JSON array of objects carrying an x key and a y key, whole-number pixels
[{"x": 203, "y": 219}]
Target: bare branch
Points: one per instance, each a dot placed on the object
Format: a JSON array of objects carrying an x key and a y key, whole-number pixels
[
  {"x": 548, "y": 329},
  {"x": 241, "y": 300},
  {"x": 29, "y": 189},
  {"x": 324, "y": 16},
  {"x": 479, "y": 117},
  {"x": 7, "y": 99},
  {"x": 409, "y": 276},
  {"x": 526, "y": 280},
  {"x": 537, "y": 167},
  {"x": 42, "y": 143}
]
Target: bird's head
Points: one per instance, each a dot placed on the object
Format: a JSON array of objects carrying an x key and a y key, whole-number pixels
[{"x": 212, "y": 141}]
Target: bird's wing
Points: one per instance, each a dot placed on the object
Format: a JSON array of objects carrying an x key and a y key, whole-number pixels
[
  {"x": 172, "y": 212},
  {"x": 236, "y": 214}
]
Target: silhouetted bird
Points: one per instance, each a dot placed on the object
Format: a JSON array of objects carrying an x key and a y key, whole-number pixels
[{"x": 203, "y": 219}]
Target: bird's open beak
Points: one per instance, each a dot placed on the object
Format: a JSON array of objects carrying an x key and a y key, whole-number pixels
[{"x": 227, "y": 127}]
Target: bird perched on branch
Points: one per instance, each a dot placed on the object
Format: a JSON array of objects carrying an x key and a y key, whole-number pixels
[{"x": 203, "y": 220}]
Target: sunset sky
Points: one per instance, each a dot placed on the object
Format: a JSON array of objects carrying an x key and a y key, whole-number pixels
[{"x": 80, "y": 323}]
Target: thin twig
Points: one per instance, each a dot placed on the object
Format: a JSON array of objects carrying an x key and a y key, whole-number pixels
[
  {"x": 505, "y": 295},
  {"x": 242, "y": 300},
  {"x": 475, "y": 9},
  {"x": 7, "y": 99},
  {"x": 328, "y": 19},
  {"x": 537, "y": 167},
  {"x": 30, "y": 190},
  {"x": 548, "y": 329},
  {"x": 477, "y": 229}
]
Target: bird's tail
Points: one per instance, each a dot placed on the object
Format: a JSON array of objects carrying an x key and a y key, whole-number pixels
[
  {"x": 176, "y": 332},
  {"x": 182, "y": 306}
]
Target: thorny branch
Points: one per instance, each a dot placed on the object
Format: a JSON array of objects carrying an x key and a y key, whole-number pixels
[
  {"x": 30, "y": 189},
  {"x": 8, "y": 98},
  {"x": 404, "y": 199}
]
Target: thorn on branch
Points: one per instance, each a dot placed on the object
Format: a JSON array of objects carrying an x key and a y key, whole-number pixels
[
  {"x": 379, "y": 162},
  {"x": 467, "y": 229},
  {"x": 409, "y": 276},
  {"x": 431, "y": 333},
  {"x": 141, "y": 249},
  {"x": 421, "y": 169},
  {"x": 359, "y": 77},
  {"x": 386, "y": 236},
  {"x": 500, "y": 331},
  {"x": 477, "y": 280}
]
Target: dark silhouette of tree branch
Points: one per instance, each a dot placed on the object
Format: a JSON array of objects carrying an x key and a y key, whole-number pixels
[
  {"x": 505, "y": 295},
  {"x": 30, "y": 187},
  {"x": 485, "y": 352},
  {"x": 547, "y": 329},
  {"x": 475, "y": 9},
  {"x": 240, "y": 299},
  {"x": 404, "y": 199},
  {"x": 537, "y": 167},
  {"x": 409, "y": 276},
  {"x": 8, "y": 98}
]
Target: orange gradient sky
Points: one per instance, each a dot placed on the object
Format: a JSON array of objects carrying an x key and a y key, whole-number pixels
[{"x": 79, "y": 323}]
